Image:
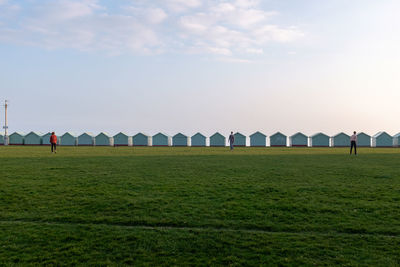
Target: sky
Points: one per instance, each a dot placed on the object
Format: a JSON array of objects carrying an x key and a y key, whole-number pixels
[{"x": 200, "y": 66}]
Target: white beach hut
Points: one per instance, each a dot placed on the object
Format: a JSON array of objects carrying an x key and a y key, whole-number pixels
[
  {"x": 141, "y": 139},
  {"x": 198, "y": 140},
  {"x": 396, "y": 140}
]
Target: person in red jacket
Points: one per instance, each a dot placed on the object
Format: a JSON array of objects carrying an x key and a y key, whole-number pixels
[{"x": 53, "y": 142}]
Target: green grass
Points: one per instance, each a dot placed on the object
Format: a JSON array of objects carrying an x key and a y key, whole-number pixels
[{"x": 199, "y": 206}]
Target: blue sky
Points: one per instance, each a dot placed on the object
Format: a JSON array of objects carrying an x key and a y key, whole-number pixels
[{"x": 191, "y": 65}]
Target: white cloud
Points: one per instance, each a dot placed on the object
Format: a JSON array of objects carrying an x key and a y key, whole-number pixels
[
  {"x": 182, "y": 5},
  {"x": 225, "y": 28}
]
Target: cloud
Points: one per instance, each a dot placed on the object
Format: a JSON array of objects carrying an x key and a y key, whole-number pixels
[{"x": 221, "y": 28}]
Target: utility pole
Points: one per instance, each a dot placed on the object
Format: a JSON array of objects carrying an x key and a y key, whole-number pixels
[{"x": 5, "y": 123}]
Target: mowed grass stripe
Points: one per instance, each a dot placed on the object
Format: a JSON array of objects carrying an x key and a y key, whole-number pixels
[
  {"x": 105, "y": 245},
  {"x": 185, "y": 228}
]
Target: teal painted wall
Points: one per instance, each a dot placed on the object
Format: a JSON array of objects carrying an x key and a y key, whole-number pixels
[
  {"x": 121, "y": 139},
  {"x": 198, "y": 140},
  {"x": 341, "y": 140},
  {"x": 16, "y": 139},
  {"x": 278, "y": 139},
  {"x": 68, "y": 140},
  {"x": 384, "y": 140},
  {"x": 85, "y": 140},
  {"x": 363, "y": 140},
  {"x": 32, "y": 139},
  {"x": 217, "y": 139},
  {"x": 298, "y": 139},
  {"x": 46, "y": 139},
  {"x": 161, "y": 140},
  {"x": 240, "y": 139},
  {"x": 103, "y": 140},
  {"x": 140, "y": 140},
  {"x": 1, "y": 140},
  {"x": 180, "y": 140},
  {"x": 320, "y": 140},
  {"x": 258, "y": 139}
]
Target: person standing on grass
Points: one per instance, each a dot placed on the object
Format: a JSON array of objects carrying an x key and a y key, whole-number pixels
[
  {"x": 53, "y": 142},
  {"x": 231, "y": 140},
  {"x": 353, "y": 143}
]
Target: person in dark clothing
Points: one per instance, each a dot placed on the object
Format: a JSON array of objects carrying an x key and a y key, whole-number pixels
[
  {"x": 231, "y": 140},
  {"x": 53, "y": 142},
  {"x": 353, "y": 143}
]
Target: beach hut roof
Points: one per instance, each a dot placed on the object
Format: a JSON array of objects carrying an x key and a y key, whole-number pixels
[
  {"x": 380, "y": 133},
  {"x": 69, "y": 133},
  {"x": 277, "y": 133},
  {"x": 217, "y": 134},
  {"x": 242, "y": 135},
  {"x": 144, "y": 134},
  {"x": 362, "y": 133},
  {"x": 180, "y": 135},
  {"x": 258, "y": 133},
  {"x": 90, "y": 134},
  {"x": 319, "y": 134},
  {"x": 106, "y": 134},
  {"x": 18, "y": 133},
  {"x": 199, "y": 134},
  {"x": 36, "y": 133},
  {"x": 160, "y": 133},
  {"x": 121, "y": 133},
  {"x": 396, "y": 135},
  {"x": 341, "y": 133},
  {"x": 298, "y": 133}
]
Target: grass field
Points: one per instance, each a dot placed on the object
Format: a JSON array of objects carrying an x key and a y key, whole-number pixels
[{"x": 199, "y": 206}]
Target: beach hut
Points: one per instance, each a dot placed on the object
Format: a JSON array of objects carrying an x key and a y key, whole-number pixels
[
  {"x": 180, "y": 140},
  {"x": 277, "y": 139},
  {"x": 161, "y": 139},
  {"x": 240, "y": 139},
  {"x": 363, "y": 140},
  {"x": 122, "y": 139},
  {"x": 68, "y": 139},
  {"x": 396, "y": 139},
  {"x": 319, "y": 140},
  {"x": 298, "y": 140},
  {"x": 141, "y": 139},
  {"x": 258, "y": 139},
  {"x": 340, "y": 140},
  {"x": 33, "y": 139},
  {"x": 198, "y": 140},
  {"x": 217, "y": 139},
  {"x": 46, "y": 139},
  {"x": 86, "y": 139},
  {"x": 1, "y": 139},
  {"x": 103, "y": 139},
  {"x": 16, "y": 139},
  {"x": 382, "y": 139}
]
